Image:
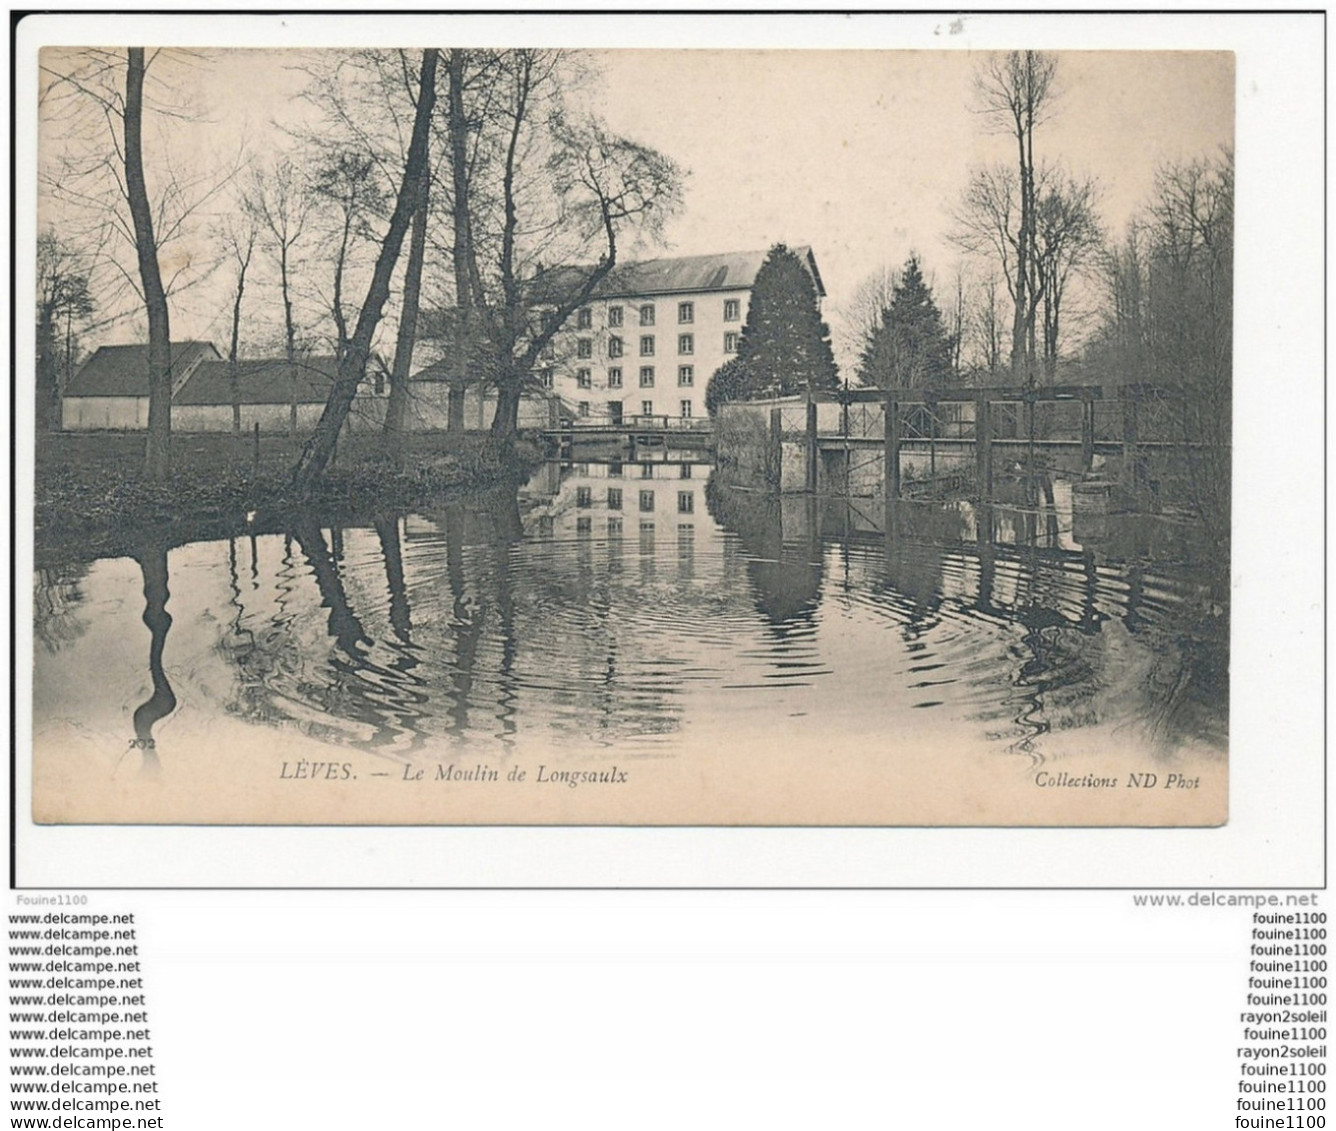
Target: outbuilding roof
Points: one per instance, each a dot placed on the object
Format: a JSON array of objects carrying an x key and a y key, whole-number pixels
[
  {"x": 259, "y": 381},
  {"x": 444, "y": 372},
  {"x": 122, "y": 371}
]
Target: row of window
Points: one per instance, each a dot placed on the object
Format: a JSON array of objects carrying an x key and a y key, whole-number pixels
[
  {"x": 686, "y": 531},
  {"x": 584, "y": 497},
  {"x": 646, "y": 409},
  {"x": 686, "y": 344},
  {"x": 686, "y": 313},
  {"x": 584, "y": 378}
]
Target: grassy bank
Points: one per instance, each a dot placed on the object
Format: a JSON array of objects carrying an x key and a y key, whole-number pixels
[{"x": 91, "y": 498}]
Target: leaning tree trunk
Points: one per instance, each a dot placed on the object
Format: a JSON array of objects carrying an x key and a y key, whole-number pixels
[
  {"x": 396, "y": 407},
  {"x": 319, "y": 448},
  {"x": 157, "y": 453}
]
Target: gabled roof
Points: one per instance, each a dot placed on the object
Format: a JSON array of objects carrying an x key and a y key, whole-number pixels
[
  {"x": 443, "y": 372},
  {"x": 259, "y": 381},
  {"x": 729, "y": 271},
  {"x": 122, "y": 371}
]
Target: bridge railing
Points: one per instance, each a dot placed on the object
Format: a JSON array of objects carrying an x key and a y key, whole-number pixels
[{"x": 657, "y": 422}]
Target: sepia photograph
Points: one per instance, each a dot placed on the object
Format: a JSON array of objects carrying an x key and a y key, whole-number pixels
[{"x": 632, "y": 437}]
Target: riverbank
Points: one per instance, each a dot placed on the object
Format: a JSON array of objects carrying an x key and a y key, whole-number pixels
[{"x": 91, "y": 498}]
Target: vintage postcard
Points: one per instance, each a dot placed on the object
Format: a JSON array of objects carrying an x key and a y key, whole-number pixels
[{"x": 463, "y": 436}]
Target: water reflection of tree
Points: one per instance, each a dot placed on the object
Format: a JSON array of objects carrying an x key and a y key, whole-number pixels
[
  {"x": 385, "y": 698},
  {"x": 344, "y": 625},
  {"x": 152, "y": 558},
  {"x": 503, "y": 511},
  {"x": 1162, "y": 664},
  {"x": 1187, "y": 679},
  {"x": 531, "y": 627},
  {"x": 493, "y": 520},
  {"x": 1090, "y": 647},
  {"x": 401, "y": 616},
  {"x": 57, "y": 595},
  {"x": 267, "y": 654},
  {"x": 915, "y": 547},
  {"x": 785, "y": 573}
]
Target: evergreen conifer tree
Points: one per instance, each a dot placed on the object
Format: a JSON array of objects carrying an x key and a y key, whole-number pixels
[
  {"x": 785, "y": 346},
  {"x": 911, "y": 348}
]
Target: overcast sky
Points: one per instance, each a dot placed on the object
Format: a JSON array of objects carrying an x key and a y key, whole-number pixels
[
  {"x": 861, "y": 154},
  {"x": 864, "y": 154}
]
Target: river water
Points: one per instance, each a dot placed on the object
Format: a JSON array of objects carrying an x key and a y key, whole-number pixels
[{"x": 736, "y": 653}]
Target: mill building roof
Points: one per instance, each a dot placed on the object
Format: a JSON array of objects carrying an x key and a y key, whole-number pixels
[{"x": 726, "y": 271}]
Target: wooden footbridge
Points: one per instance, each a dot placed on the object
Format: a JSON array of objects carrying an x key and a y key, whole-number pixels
[{"x": 636, "y": 432}]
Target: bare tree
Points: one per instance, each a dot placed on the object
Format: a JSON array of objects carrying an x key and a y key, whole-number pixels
[
  {"x": 345, "y": 180},
  {"x": 461, "y": 169},
  {"x": 472, "y": 81},
  {"x": 1190, "y": 334},
  {"x": 552, "y": 189},
  {"x": 987, "y": 321},
  {"x": 1122, "y": 270},
  {"x": 987, "y": 226},
  {"x": 1036, "y": 267},
  {"x": 957, "y": 317},
  {"x": 402, "y": 365},
  {"x": 1168, "y": 324},
  {"x": 366, "y": 101},
  {"x": 93, "y": 105},
  {"x": 62, "y": 297},
  {"x": 1014, "y": 91},
  {"x": 238, "y": 234},
  {"x": 1066, "y": 241},
  {"x": 280, "y": 201},
  {"x": 319, "y": 448},
  {"x": 860, "y": 319},
  {"x": 157, "y": 461}
]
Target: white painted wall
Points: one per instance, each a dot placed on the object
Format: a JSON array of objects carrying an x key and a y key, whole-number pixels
[
  {"x": 122, "y": 414},
  {"x": 128, "y": 414}
]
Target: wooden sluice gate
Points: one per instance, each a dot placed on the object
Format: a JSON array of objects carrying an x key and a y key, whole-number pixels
[{"x": 963, "y": 441}]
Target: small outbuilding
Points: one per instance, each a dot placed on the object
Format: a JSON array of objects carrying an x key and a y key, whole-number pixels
[
  {"x": 439, "y": 399},
  {"x": 110, "y": 392},
  {"x": 111, "y": 389},
  {"x": 265, "y": 393}
]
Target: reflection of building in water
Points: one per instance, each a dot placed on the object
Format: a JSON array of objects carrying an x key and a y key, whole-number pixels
[
  {"x": 566, "y": 616},
  {"x": 578, "y": 607},
  {"x": 660, "y": 495}
]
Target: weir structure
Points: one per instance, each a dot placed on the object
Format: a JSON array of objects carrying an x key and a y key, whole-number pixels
[{"x": 906, "y": 442}]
